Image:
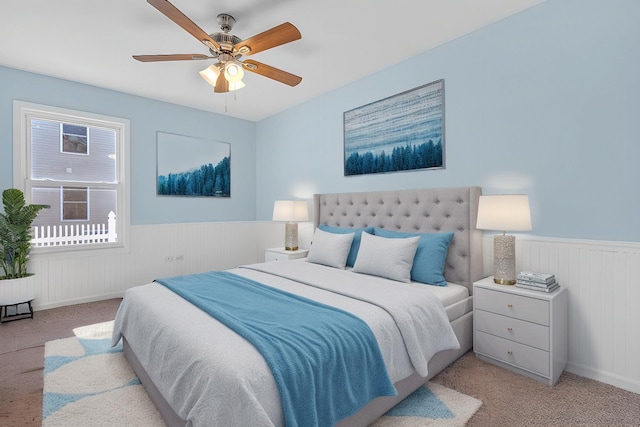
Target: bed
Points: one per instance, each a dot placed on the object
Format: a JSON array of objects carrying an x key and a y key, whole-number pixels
[{"x": 200, "y": 372}]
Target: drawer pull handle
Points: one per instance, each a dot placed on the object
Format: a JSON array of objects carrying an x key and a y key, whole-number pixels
[
  {"x": 510, "y": 305},
  {"x": 509, "y": 329},
  {"x": 509, "y": 352}
]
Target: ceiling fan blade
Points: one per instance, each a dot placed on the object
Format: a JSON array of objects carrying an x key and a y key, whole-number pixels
[
  {"x": 271, "y": 72},
  {"x": 177, "y": 57},
  {"x": 221, "y": 84},
  {"x": 283, "y": 33},
  {"x": 172, "y": 12}
]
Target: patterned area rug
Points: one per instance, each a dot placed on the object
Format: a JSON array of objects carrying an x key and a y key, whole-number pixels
[
  {"x": 87, "y": 382},
  {"x": 431, "y": 405}
]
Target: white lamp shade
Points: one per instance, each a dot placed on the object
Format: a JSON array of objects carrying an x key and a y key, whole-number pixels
[
  {"x": 210, "y": 74},
  {"x": 236, "y": 85},
  {"x": 290, "y": 210},
  {"x": 504, "y": 212}
]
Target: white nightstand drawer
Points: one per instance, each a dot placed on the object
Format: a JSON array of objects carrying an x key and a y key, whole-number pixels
[
  {"x": 528, "y": 333},
  {"x": 521, "y": 330},
  {"x": 281, "y": 254},
  {"x": 517, "y": 306},
  {"x": 520, "y": 355}
]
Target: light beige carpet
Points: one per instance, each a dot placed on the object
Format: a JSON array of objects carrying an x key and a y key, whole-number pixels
[{"x": 87, "y": 382}]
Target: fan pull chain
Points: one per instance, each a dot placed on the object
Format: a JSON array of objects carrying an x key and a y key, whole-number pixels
[{"x": 226, "y": 100}]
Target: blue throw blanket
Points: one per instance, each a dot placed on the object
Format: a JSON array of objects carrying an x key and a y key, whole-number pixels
[{"x": 325, "y": 361}]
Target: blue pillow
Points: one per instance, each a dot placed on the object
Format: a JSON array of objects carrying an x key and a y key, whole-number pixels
[
  {"x": 355, "y": 245},
  {"x": 428, "y": 264}
]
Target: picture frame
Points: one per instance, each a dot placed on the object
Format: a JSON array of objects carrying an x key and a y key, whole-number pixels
[
  {"x": 192, "y": 167},
  {"x": 403, "y": 132}
]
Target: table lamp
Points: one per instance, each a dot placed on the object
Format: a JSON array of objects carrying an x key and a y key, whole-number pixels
[
  {"x": 504, "y": 212},
  {"x": 290, "y": 211}
]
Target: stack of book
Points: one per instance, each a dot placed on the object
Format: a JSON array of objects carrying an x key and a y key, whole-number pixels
[{"x": 542, "y": 282}]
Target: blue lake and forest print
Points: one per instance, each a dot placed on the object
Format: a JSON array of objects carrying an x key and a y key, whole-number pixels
[
  {"x": 400, "y": 133},
  {"x": 193, "y": 167}
]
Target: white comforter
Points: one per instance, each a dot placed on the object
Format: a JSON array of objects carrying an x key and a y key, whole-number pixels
[{"x": 208, "y": 374}]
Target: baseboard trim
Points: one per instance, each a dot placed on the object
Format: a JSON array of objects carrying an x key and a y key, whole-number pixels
[
  {"x": 604, "y": 377},
  {"x": 94, "y": 298}
]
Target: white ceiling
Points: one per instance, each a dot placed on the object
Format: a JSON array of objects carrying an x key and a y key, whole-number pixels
[{"x": 342, "y": 40}]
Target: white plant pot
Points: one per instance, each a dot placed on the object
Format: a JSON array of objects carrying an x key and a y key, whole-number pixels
[{"x": 15, "y": 291}]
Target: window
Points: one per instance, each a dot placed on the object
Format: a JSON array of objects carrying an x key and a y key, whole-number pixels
[
  {"x": 75, "y": 204},
  {"x": 74, "y": 162},
  {"x": 74, "y": 139}
]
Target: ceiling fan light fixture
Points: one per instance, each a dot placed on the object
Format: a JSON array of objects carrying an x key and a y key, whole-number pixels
[
  {"x": 233, "y": 72},
  {"x": 236, "y": 85},
  {"x": 228, "y": 72},
  {"x": 210, "y": 74}
]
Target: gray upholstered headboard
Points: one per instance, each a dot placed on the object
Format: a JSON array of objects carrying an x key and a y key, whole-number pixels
[{"x": 417, "y": 211}]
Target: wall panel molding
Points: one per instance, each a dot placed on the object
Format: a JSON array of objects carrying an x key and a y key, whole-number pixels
[
  {"x": 603, "y": 279},
  {"x": 92, "y": 275}
]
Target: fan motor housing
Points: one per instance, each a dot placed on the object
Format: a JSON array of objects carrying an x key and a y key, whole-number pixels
[{"x": 226, "y": 42}]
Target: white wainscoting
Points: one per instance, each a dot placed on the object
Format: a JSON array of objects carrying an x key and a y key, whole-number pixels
[
  {"x": 92, "y": 275},
  {"x": 603, "y": 279}
]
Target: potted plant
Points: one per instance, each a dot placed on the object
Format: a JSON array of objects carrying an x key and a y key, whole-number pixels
[{"x": 16, "y": 285}]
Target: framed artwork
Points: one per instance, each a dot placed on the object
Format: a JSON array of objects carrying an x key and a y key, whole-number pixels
[
  {"x": 400, "y": 133},
  {"x": 192, "y": 167}
]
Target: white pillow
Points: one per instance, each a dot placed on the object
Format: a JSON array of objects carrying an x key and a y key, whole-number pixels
[
  {"x": 330, "y": 248},
  {"x": 386, "y": 257}
]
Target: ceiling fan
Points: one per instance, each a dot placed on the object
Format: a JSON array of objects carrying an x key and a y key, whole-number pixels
[{"x": 226, "y": 75}]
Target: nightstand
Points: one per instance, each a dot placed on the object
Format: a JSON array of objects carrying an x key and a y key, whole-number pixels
[
  {"x": 281, "y": 254},
  {"x": 521, "y": 330}
]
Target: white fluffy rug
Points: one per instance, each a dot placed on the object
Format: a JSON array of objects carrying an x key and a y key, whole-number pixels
[{"x": 87, "y": 382}]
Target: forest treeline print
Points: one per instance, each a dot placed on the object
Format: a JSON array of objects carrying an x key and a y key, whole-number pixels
[
  {"x": 208, "y": 180},
  {"x": 399, "y": 133},
  {"x": 409, "y": 157}
]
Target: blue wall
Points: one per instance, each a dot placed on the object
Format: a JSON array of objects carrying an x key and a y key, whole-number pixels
[
  {"x": 546, "y": 102},
  {"x": 147, "y": 117}
]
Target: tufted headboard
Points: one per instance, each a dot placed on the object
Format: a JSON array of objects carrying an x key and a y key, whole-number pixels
[{"x": 416, "y": 211}]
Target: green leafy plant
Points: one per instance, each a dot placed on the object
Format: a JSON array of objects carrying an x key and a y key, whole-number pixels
[{"x": 15, "y": 233}]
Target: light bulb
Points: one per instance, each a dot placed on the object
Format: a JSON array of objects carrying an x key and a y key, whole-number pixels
[{"x": 233, "y": 72}]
